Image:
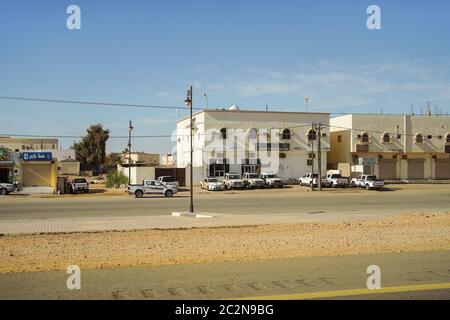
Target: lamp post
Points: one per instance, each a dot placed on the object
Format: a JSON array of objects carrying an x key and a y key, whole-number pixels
[
  {"x": 188, "y": 103},
  {"x": 130, "y": 128}
]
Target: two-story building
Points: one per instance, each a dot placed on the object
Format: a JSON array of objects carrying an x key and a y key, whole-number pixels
[
  {"x": 241, "y": 141},
  {"x": 393, "y": 147}
]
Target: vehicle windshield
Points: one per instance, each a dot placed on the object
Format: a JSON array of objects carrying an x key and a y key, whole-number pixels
[
  {"x": 315, "y": 175},
  {"x": 253, "y": 175},
  {"x": 213, "y": 180},
  {"x": 233, "y": 176},
  {"x": 371, "y": 178},
  {"x": 79, "y": 180},
  {"x": 168, "y": 179},
  {"x": 272, "y": 176},
  {"x": 336, "y": 176}
]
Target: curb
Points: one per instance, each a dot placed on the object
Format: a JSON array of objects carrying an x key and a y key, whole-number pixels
[{"x": 190, "y": 215}]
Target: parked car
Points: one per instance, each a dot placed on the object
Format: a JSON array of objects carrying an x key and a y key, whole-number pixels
[
  {"x": 78, "y": 185},
  {"x": 336, "y": 180},
  {"x": 368, "y": 182},
  {"x": 271, "y": 180},
  {"x": 233, "y": 181},
  {"x": 311, "y": 179},
  {"x": 98, "y": 180},
  {"x": 212, "y": 184},
  {"x": 152, "y": 187},
  {"x": 6, "y": 188},
  {"x": 168, "y": 180},
  {"x": 253, "y": 180}
]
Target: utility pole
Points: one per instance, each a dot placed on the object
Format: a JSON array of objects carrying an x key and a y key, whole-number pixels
[
  {"x": 130, "y": 128},
  {"x": 188, "y": 102},
  {"x": 319, "y": 158},
  {"x": 312, "y": 152}
]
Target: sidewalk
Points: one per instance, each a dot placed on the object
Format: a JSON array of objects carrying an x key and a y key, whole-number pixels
[{"x": 101, "y": 224}]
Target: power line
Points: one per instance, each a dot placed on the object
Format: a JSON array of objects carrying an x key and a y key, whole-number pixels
[{"x": 97, "y": 103}]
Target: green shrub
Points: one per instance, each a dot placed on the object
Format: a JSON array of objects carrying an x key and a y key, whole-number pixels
[{"x": 115, "y": 179}]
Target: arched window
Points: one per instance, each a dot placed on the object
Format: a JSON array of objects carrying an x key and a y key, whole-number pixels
[
  {"x": 286, "y": 134},
  {"x": 419, "y": 138},
  {"x": 447, "y": 138},
  {"x": 253, "y": 134},
  {"x": 365, "y": 137},
  {"x": 386, "y": 138},
  {"x": 223, "y": 133},
  {"x": 312, "y": 135}
]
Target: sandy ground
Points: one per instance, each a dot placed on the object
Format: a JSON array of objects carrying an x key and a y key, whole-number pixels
[{"x": 406, "y": 233}]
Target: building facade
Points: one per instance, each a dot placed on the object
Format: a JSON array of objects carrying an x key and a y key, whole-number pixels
[
  {"x": 242, "y": 141},
  {"x": 24, "y": 144},
  {"x": 150, "y": 159},
  {"x": 393, "y": 147}
]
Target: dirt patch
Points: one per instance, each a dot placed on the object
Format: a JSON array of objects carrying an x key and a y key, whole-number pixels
[{"x": 406, "y": 233}]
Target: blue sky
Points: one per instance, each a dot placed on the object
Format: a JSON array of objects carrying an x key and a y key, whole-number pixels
[{"x": 249, "y": 53}]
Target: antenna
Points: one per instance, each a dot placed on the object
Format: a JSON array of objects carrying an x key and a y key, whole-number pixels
[{"x": 307, "y": 102}]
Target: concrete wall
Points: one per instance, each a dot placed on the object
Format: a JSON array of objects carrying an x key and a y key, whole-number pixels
[{"x": 138, "y": 174}]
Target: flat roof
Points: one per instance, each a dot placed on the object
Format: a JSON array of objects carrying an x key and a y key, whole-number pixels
[{"x": 250, "y": 111}]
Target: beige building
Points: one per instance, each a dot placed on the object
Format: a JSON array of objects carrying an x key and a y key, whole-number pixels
[
  {"x": 24, "y": 144},
  {"x": 150, "y": 159},
  {"x": 244, "y": 141},
  {"x": 393, "y": 147}
]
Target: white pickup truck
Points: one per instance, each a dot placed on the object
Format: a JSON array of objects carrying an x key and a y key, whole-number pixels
[
  {"x": 368, "y": 182},
  {"x": 253, "y": 180},
  {"x": 78, "y": 185},
  {"x": 233, "y": 181},
  {"x": 152, "y": 187},
  {"x": 310, "y": 179},
  {"x": 334, "y": 180},
  {"x": 272, "y": 180},
  {"x": 168, "y": 180},
  {"x": 6, "y": 188}
]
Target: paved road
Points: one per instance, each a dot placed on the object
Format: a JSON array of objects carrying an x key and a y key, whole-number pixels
[
  {"x": 423, "y": 275},
  {"x": 247, "y": 202}
]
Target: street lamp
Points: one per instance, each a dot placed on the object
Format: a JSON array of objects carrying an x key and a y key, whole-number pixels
[
  {"x": 188, "y": 103},
  {"x": 130, "y": 128}
]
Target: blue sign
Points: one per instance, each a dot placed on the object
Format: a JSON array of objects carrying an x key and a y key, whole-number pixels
[{"x": 37, "y": 156}]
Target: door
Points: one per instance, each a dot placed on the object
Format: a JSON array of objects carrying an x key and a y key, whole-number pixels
[
  {"x": 387, "y": 169},
  {"x": 4, "y": 175},
  {"x": 149, "y": 187},
  {"x": 443, "y": 169},
  {"x": 37, "y": 174},
  {"x": 416, "y": 169}
]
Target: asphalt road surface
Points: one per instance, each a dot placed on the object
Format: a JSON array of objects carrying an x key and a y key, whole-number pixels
[
  {"x": 421, "y": 275},
  {"x": 239, "y": 202}
]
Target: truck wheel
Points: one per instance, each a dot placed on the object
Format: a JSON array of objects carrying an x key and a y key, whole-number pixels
[
  {"x": 3, "y": 192},
  {"x": 138, "y": 194},
  {"x": 367, "y": 187},
  {"x": 353, "y": 184},
  {"x": 168, "y": 194},
  {"x": 301, "y": 184}
]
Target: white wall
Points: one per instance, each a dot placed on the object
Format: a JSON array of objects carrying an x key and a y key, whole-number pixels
[{"x": 138, "y": 174}]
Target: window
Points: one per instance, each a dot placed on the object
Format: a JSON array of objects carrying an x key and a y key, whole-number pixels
[
  {"x": 223, "y": 133},
  {"x": 386, "y": 138},
  {"x": 253, "y": 134},
  {"x": 447, "y": 138},
  {"x": 339, "y": 138},
  {"x": 419, "y": 138},
  {"x": 365, "y": 137},
  {"x": 312, "y": 135},
  {"x": 286, "y": 135},
  {"x": 429, "y": 137}
]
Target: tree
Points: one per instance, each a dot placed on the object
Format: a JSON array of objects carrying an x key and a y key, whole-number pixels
[
  {"x": 91, "y": 150},
  {"x": 114, "y": 158}
]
